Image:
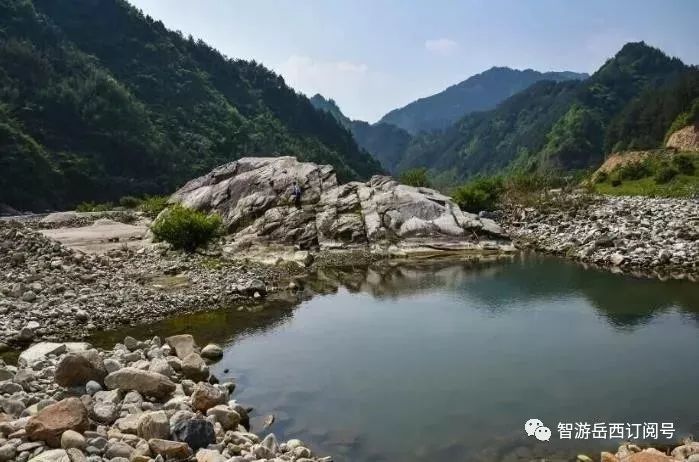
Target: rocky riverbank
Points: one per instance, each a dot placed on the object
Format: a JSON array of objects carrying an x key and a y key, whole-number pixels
[
  {"x": 51, "y": 292},
  {"x": 639, "y": 235},
  {"x": 140, "y": 401},
  {"x": 627, "y": 452}
]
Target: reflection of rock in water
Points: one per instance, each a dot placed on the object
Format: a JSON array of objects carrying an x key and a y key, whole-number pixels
[
  {"x": 624, "y": 301},
  {"x": 385, "y": 280}
]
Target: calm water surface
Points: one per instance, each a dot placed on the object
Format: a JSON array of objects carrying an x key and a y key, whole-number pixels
[{"x": 447, "y": 362}]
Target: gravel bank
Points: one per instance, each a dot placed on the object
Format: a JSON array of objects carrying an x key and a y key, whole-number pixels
[
  {"x": 141, "y": 401},
  {"x": 51, "y": 292},
  {"x": 638, "y": 235}
]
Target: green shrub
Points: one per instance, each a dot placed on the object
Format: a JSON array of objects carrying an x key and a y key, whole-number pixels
[
  {"x": 635, "y": 170},
  {"x": 185, "y": 228},
  {"x": 683, "y": 163},
  {"x": 151, "y": 206},
  {"x": 94, "y": 207},
  {"x": 129, "y": 202},
  {"x": 415, "y": 177},
  {"x": 615, "y": 180},
  {"x": 479, "y": 194},
  {"x": 665, "y": 174}
]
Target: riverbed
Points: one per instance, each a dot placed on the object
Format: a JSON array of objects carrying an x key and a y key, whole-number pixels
[{"x": 447, "y": 361}]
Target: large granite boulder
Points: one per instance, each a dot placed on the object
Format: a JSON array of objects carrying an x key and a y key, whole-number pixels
[{"x": 254, "y": 198}]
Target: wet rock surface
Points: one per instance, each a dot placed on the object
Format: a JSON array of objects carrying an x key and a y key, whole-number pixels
[
  {"x": 153, "y": 417},
  {"x": 639, "y": 235}
]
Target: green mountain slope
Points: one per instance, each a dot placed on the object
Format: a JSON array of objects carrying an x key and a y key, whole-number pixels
[
  {"x": 549, "y": 125},
  {"x": 648, "y": 120},
  {"x": 102, "y": 101},
  {"x": 480, "y": 92},
  {"x": 386, "y": 142}
]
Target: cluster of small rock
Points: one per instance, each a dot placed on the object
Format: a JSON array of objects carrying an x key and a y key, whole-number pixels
[
  {"x": 640, "y": 235},
  {"x": 51, "y": 292},
  {"x": 139, "y": 402},
  {"x": 627, "y": 452}
]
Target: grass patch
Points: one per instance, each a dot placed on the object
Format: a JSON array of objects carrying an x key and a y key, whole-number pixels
[{"x": 657, "y": 176}]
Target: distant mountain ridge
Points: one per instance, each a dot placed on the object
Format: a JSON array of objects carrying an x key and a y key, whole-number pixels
[
  {"x": 480, "y": 92},
  {"x": 565, "y": 125},
  {"x": 385, "y": 142}
]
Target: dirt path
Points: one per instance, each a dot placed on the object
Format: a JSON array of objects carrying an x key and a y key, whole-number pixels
[{"x": 99, "y": 237}]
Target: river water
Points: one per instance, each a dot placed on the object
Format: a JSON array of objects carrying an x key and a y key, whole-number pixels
[{"x": 448, "y": 361}]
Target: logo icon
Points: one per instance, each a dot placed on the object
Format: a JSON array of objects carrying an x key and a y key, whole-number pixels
[{"x": 536, "y": 428}]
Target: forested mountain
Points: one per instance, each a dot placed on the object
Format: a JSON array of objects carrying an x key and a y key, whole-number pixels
[
  {"x": 98, "y": 100},
  {"x": 648, "y": 120},
  {"x": 386, "y": 142},
  {"x": 480, "y": 92},
  {"x": 552, "y": 125}
]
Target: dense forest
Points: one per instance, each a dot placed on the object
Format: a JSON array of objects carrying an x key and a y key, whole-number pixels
[
  {"x": 564, "y": 125},
  {"x": 480, "y": 92},
  {"x": 386, "y": 142},
  {"x": 98, "y": 100}
]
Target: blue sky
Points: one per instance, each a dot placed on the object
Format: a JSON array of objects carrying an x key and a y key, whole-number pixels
[{"x": 372, "y": 56}]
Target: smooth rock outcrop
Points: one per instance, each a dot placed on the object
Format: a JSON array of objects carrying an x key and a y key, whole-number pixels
[{"x": 253, "y": 197}]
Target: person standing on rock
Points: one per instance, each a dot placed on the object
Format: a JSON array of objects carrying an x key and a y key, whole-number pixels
[{"x": 296, "y": 194}]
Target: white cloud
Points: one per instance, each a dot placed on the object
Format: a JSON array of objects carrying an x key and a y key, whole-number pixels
[{"x": 441, "y": 46}]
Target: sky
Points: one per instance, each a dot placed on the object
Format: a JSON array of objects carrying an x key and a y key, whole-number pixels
[{"x": 372, "y": 56}]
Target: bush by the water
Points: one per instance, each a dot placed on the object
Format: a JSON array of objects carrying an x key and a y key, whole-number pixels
[
  {"x": 480, "y": 194},
  {"x": 185, "y": 228},
  {"x": 415, "y": 177}
]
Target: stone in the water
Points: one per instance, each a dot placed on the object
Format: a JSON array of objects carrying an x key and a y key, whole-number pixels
[
  {"x": 228, "y": 418},
  {"x": 197, "y": 433},
  {"x": 212, "y": 351},
  {"x": 144, "y": 382},
  {"x": 50, "y": 423},
  {"x": 182, "y": 344}
]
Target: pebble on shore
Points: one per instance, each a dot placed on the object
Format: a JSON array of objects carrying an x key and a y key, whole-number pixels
[{"x": 133, "y": 403}]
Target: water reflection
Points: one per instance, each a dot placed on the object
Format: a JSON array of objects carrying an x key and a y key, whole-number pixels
[
  {"x": 445, "y": 361},
  {"x": 625, "y": 301}
]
